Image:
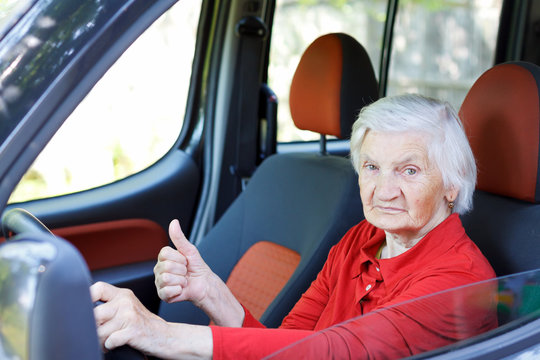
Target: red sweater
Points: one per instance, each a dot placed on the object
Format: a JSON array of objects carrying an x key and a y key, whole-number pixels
[{"x": 353, "y": 282}]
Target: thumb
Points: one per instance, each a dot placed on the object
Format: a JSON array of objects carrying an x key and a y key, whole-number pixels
[{"x": 179, "y": 239}]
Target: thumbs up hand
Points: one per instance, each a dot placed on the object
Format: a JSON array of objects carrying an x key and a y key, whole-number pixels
[{"x": 181, "y": 274}]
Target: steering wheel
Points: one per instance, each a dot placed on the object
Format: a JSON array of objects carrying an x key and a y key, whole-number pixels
[{"x": 17, "y": 221}]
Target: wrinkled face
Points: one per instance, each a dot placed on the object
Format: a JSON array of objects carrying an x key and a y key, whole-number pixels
[{"x": 402, "y": 191}]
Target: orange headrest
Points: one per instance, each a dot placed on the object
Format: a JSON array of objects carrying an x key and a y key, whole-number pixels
[
  {"x": 501, "y": 115},
  {"x": 333, "y": 81}
]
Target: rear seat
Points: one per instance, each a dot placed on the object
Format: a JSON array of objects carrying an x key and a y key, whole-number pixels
[{"x": 501, "y": 118}]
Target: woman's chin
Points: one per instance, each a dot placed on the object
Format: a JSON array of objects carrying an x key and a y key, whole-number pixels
[{"x": 389, "y": 222}]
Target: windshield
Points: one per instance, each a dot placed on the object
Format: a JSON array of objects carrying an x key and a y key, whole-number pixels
[{"x": 437, "y": 323}]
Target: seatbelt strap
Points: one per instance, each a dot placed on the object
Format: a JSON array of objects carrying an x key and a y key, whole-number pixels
[{"x": 251, "y": 30}]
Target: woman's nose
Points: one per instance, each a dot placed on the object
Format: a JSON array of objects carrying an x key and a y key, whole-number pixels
[{"x": 387, "y": 186}]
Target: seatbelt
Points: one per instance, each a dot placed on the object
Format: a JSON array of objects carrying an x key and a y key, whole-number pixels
[
  {"x": 251, "y": 30},
  {"x": 268, "y": 105}
]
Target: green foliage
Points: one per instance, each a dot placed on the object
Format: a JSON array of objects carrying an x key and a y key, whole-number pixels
[
  {"x": 338, "y": 4},
  {"x": 433, "y": 5},
  {"x": 123, "y": 165},
  {"x": 31, "y": 184}
]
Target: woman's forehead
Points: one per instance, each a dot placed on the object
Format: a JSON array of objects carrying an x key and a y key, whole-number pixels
[
  {"x": 417, "y": 139},
  {"x": 395, "y": 146}
]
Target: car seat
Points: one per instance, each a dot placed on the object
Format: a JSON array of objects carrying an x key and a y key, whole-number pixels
[
  {"x": 501, "y": 116},
  {"x": 273, "y": 240}
]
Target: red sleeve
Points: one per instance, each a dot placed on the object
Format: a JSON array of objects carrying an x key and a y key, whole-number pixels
[
  {"x": 251, "y": 343},
  {"x": 250, "y": 321},
  {"x": 408, "y": 328}
]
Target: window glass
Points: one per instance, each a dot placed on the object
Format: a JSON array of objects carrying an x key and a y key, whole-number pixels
[
  {"x": 442, "y": 322},
  {"x": 297, "y": 24},
  {"x": 441, "y": 47},
  {"x": 129, "y": 120}
]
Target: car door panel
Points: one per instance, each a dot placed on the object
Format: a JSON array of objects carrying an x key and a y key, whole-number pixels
[
  {"x": 120, "y": 228},
  {"x": 121, "y": 252},
  {"x": 115, "y": 243}
]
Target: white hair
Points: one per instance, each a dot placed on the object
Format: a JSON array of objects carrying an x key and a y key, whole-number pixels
[{"x": 448, "y": 146}]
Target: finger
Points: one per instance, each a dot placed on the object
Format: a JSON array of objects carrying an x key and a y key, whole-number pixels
[
  {"x": 179, "y": 239},
  {"x": 170, "y": 267},
  {"x": 118, "y": 338},
  {"x": 105, "y": 330},
  {"x": 170, "y": 293},
  {"x": 101, "y": 291},
  {"x": 104, "y": 313},
  {"x": 168, "y": 279},
  {"x": 168, "y": 253}
]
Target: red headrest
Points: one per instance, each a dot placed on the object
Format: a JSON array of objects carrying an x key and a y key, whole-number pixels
[
  {"x": 333, "y": 81},
  {"x": 501, "y": 114}
]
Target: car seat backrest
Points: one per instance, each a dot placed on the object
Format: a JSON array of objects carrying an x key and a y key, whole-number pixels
[
  {"x": 501, "y": 115},
  {"x": 272, "y": 241},
  {"x": 333, "y": 81}
]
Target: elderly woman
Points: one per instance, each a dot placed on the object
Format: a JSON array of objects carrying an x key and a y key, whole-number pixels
[{"x": 416, "y": 173}]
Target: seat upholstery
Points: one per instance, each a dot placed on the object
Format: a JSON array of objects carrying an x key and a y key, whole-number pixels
[
  {"x": 501, "y": 116},
  {"x": 296, "y": 205}
]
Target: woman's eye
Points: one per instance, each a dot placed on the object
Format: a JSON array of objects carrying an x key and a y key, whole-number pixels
[
  {"x": 370, "y": 167},
  {"x": 410, "y": 171}
]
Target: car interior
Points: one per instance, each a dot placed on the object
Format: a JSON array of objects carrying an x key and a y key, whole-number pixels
[
  {"x": 263, "y": 214},
  {"x": 296, "y": 206}
]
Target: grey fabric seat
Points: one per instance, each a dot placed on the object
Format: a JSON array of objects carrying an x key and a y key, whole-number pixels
[{"x": 297, "y": 205}]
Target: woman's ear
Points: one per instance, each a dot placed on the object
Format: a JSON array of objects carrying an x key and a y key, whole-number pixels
[{"x": 451, "y": 194}]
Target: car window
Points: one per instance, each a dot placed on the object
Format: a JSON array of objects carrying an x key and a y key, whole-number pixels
[
  {"x": 10, "y": 12},
  {"x": 441, "y": 47},
  {"x": 129, "y": 120},
  {"x": 297, "y": 24},
  {"x": 441, "y": 323}
]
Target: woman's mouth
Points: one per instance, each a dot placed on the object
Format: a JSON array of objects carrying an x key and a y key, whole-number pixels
[{"x": 389, "y": 209}]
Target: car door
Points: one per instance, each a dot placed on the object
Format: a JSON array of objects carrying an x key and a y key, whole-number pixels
[{"x": 137, "y": 100}]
